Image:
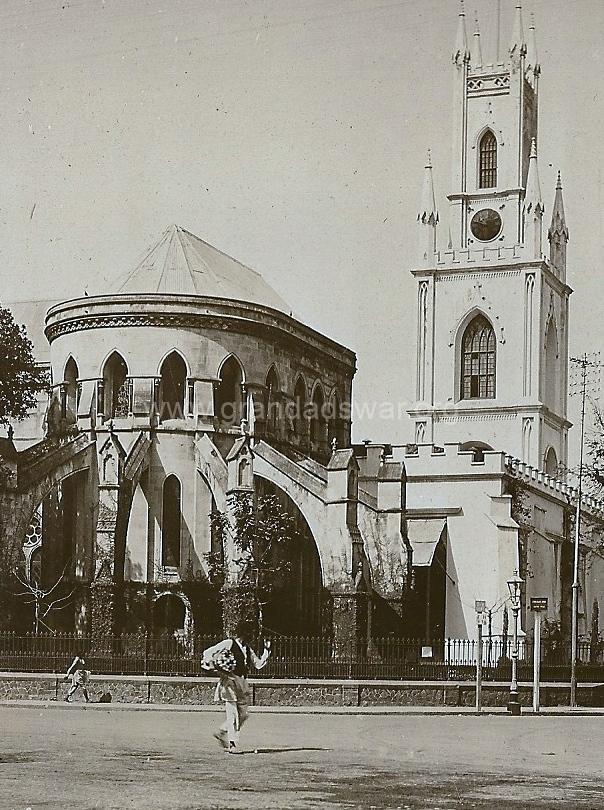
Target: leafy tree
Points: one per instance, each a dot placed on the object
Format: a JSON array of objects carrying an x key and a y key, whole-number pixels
[
  {"x": 21, "y": 378},
  {"x": 261, "y": 534}
]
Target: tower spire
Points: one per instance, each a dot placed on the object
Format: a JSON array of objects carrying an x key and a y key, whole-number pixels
[
  {"x": 427, "y": 218},
  {"x": 533, "y": 206},
  {"x": 461, "y": 52},
  {"x": 517, "y": 43},
  {"x": 476, "y": 57}
]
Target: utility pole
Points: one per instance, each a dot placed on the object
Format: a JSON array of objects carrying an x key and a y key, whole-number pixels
[{"x": 584, "y": 364}]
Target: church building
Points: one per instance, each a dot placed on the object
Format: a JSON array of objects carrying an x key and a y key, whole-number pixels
[{"x": 191, "y": 381}]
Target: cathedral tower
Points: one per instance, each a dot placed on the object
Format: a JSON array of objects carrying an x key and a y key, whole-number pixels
[{"x": 492, "y": 325}]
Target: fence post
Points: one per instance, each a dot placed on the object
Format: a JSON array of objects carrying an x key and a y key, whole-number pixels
[{"x": 146, "y": 665}]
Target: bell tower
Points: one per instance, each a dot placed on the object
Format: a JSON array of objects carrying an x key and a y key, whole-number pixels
[{"x": 492, "y": 320}]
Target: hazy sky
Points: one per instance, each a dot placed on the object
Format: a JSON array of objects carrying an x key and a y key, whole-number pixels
[{"x": 291, "y": 135}]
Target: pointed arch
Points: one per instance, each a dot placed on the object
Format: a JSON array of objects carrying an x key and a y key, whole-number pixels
[
  {"x": 272, "y": 390},
  {"x": 300, "y": 420},
  {"x": 477, "y": 365},
  {"x": 334, "y": 424},
  {"x": 171, "y": 522},
  {"x": 318, "y": 424},
  {"x": 173, "y": 374},
  {"x": 229, "y": 404},
  {"x": 487, "y": 160},
  {"x": 72, "y": 389},
  {"x": 114, "y": 398},
  {"x": 551, "y": 369},
  {"x": 551, "y": 462}
]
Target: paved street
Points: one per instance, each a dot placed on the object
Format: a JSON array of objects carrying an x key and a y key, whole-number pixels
[{"x": 55, "y": 757}]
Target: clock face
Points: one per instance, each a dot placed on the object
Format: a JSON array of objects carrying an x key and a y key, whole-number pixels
[{"x": 486, "y": 224}]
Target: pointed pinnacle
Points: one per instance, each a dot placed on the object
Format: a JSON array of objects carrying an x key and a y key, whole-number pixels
[
  {"x": 532, "y": 57},
  {"x": 517, "y": 43},
  {"x": 533, "y": 196},
  {"x": 461, "y": 52},
  {"x": 559, "y": 181},
  {"x": 476, "y": 46}
]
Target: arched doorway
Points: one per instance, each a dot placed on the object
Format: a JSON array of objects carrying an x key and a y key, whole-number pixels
[{"x": 171, "y": 616}]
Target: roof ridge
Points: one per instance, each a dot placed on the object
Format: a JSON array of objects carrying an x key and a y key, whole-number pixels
[
  {"x": 222, "y": 253},
  {"x": 146, "y": 255},
  {"x": 184, "y": 253}
]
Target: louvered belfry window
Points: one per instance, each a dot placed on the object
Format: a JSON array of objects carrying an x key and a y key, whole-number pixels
[
  {"x": 488, "y": 161},
  {"x": 478, "y": 360}
]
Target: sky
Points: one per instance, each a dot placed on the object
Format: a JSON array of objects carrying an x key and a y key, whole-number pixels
[{"x": 292, "y": 135}]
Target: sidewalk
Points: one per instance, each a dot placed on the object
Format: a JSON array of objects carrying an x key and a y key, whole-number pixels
[{"x": 555, "y": 711}]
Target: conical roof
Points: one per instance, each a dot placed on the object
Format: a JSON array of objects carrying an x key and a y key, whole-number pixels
[{"x": 181, "y": 263}]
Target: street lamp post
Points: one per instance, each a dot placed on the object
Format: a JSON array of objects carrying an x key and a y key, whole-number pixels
[{"x": 514, "y": 585}]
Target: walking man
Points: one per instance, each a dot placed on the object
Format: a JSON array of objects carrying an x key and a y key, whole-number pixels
[
  {"x": 79, "y": 676},
  {"x": 231, "y": 659}
]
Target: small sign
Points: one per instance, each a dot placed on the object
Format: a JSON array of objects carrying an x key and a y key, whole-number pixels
[
  {"x": 426, "y": 652},
  {"x": 480, "y": 606},
  {"x": 538, "y": 602}
]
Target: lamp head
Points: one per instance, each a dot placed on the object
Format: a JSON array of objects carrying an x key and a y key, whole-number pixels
[{"x": 514, "y": 586}]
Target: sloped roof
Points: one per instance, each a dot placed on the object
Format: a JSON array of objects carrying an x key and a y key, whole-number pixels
[
  {"x": 183, "y": 264},
  {"x": 424, "y": 536}
]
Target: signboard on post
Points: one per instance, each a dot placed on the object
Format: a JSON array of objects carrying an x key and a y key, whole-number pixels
[
  {"x": 539, "y": 605},
  {"x": 480, "y": 606}
]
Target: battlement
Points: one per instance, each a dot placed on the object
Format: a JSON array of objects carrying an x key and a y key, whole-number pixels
[
  {"x": 448, "y": 460},
  {"x": 548, "y": 483}
]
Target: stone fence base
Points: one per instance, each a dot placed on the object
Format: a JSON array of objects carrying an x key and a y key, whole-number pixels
[{"x": 293, "y": 692}]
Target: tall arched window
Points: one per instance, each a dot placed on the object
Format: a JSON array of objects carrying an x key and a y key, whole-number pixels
[
  {"x": 172, "y": 386},
  {"x": 318, "y": 433},
  {"x": 170, "y": 545},
  {"x": 478, "y": 360},
  {"x": 487, "y": 168},
  {"x": 228, "y": 398},
  {"x": 300, "y": 423},
  {"x": 271, "y": 403},
  {"x": 70, "y": 376},
  {"x": 116, "y": 399},
  {"x": 550, "y": 382}
]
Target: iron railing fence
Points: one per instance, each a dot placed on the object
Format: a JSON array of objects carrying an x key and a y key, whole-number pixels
[{"x": 301, "y": 657}]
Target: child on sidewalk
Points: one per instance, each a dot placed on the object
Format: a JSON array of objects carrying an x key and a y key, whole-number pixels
[{"x": 79, "y": 676}]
